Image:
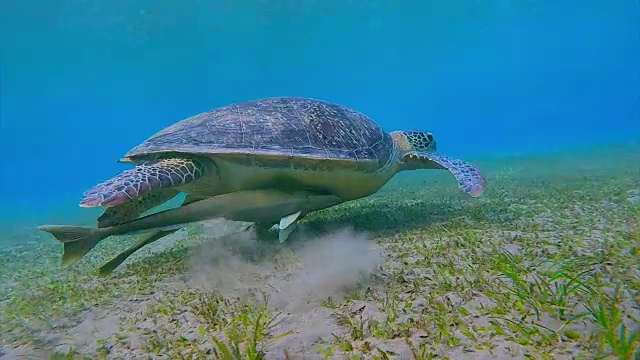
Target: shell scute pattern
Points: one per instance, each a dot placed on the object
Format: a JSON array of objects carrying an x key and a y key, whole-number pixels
[{"x": 294, "y": 127}]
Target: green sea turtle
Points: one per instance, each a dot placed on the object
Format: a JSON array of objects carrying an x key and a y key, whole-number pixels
[{"x": 268, "y": 161}]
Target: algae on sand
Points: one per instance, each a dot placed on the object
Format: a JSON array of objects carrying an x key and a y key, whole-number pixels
[{"x": 544, "y": 265}]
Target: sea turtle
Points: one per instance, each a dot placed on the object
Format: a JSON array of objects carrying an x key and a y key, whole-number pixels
[{"x": 299, "y": 154}]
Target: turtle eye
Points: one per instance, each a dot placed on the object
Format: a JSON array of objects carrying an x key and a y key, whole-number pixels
[{"x": 429, "y": 137}]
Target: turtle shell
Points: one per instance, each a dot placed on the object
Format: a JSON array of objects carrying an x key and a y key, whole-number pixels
[{"x": 277, "y": 128}]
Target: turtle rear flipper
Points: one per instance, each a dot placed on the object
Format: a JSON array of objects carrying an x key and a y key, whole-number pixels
[{"x": 144, "y": 178}]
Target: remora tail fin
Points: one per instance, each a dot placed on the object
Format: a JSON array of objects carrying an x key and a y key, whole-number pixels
[{"x": 78, "y": 240}]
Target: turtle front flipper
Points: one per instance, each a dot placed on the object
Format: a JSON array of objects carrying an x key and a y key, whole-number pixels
[
  {"x": 144, "y": 178},
  {"x": 468, "y": 175}
]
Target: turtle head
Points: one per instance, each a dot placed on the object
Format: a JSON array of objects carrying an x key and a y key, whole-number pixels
[
  {"x": 413, "y": 147},
  {"x": 414, "y": 140}
]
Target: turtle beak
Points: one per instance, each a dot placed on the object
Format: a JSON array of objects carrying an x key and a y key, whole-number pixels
[{"x": 125, "y": 160}]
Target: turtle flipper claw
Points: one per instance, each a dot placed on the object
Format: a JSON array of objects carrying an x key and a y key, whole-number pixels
[{"x": 144, "y": 178}]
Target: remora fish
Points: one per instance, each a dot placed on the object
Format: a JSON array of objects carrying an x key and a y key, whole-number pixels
[{"x": 267, "y": 205}]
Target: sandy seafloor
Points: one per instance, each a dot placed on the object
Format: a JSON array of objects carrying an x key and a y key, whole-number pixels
[{"x": 544, "y": 265}]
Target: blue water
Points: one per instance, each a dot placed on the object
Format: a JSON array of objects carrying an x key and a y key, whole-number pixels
[{"x": 84, "y": 81}]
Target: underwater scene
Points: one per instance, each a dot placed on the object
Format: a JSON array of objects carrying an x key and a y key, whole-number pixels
[{"x": 310, "y": 179}]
